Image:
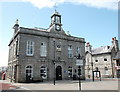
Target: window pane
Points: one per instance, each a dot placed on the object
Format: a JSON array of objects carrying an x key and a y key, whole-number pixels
[
  {"x": 30, "y": 48},
  {"x": 43, "y": 49}
]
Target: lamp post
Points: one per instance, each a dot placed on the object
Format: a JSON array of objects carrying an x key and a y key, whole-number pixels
[
  {"x": 54, "y": 62},
  {"x": 79, "y": 77},
  {"x": 92, "y": 71},
  {"x": 79, "y": 63},
  {"x": 54, "y": 72}
]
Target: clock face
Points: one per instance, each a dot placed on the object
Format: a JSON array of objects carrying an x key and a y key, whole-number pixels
[{"x": 57, "y": 27}]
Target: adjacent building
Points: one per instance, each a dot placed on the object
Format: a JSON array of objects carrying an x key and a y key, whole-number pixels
[
  {"x": 37, "y": 54},
  {"x": 3, "y": 69},
  {"x": 117, "y": 59},
  {"x": 102, "y": 59}
]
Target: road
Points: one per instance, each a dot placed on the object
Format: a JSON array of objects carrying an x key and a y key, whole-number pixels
[{"x": 105, "y": 84}]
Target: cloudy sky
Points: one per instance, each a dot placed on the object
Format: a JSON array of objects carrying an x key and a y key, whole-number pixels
[{"x": 94, "y": 20}]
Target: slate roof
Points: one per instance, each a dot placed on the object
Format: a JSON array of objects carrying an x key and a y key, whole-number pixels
[{"x": 101, "y": 50}]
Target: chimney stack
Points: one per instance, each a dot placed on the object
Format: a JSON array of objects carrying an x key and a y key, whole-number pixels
[
  {"x": 88, "y": 47},
  {"x": 115, "y": 43}
]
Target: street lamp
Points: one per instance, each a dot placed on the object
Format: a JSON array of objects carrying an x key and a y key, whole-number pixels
[
  {"x": 54, "y": 71},
  {"x": 92, "y": 70},
  {"x": 54, "y": 62},
  {"x": 79, "y": 63}
]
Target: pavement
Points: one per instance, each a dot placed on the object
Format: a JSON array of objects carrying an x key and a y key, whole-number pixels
[{"x": 105, "y": 84}]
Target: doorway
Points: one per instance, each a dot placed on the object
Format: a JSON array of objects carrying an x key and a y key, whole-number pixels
[
  {"x": 58, "y": 73},
  {"x": 15, "y": 73},
  {"x": 118, "y": 73}
]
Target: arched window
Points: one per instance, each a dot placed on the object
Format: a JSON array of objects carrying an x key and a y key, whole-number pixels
[
  {"x": 29, "y": 72},
  {"x": 43, "y": 72},
  {"x": 70, "y": 70}
]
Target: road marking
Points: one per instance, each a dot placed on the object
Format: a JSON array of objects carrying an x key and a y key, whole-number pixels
[{"x": 24, "y": 88}]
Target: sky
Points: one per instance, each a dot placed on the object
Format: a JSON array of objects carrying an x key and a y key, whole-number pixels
[{"x": 94, "y": 20}]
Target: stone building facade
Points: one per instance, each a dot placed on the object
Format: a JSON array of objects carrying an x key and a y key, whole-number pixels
[
  {"x": 117, "y": 67},
  {"x": 37, "y": 54},
  {"x": 101, "y": 59}
]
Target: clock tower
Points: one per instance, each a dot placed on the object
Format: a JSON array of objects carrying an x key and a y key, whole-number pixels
[{"x": 56, "y": 21}]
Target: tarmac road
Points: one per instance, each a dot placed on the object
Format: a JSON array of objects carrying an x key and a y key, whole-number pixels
[{"x": 106, "y": 85}]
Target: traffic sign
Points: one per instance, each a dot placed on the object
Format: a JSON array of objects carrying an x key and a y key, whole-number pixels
[{"x": 79, "y": 62}]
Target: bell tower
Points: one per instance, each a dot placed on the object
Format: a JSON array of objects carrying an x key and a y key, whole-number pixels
[{"x": 56, "y": 21}]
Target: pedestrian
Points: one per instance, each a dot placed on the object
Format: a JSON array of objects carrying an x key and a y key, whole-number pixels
[{"x": 3, "y": 75}]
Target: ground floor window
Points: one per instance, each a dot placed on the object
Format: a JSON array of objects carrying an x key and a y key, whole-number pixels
[
  {"x": 70, "y": 72},
  {"x": 29, "y": 73},
  {"x": 43, "y": 72},
  {"x": 106, "y": 70}
]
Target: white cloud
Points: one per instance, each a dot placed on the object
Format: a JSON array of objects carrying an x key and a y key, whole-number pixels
[{"x": 109, "y": 4}]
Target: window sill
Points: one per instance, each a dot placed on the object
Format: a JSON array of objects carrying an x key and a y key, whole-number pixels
[
  {"x": 43, "y": 56},
  {"x": 70, "y": 57},
  {"x": 29, "y": 55}
]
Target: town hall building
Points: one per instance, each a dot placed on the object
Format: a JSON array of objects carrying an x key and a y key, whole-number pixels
[{"x": 37, "y": 54}]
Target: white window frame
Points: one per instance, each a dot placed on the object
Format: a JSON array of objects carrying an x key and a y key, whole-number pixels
[
  {"x": 29, "y": 69},
  {"x": 70, "y": 74},
  {"x": 78, "y": 51},
  {"x": 43, "y": 49},
  {"x": 44, "y": 74},
  {"x": 70, "y": 51},
  {"x": 30, "y": 45}
]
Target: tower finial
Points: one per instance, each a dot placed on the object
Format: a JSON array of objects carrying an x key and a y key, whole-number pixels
[
  {"x": 55, "y": 7},
  {"x": 16, "y": 21},
  {"x": 16, "y": 26}
]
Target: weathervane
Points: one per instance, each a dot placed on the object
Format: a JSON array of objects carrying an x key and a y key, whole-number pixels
[{"x": 55, "y": 7}]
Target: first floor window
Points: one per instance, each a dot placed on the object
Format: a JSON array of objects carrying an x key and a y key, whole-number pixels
[
  {"x": 78, "y": 51},
  {"x": 70, "y": 53},
  {"x": 30, "y": 48},
  {"x": 43, "y": 49}
]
